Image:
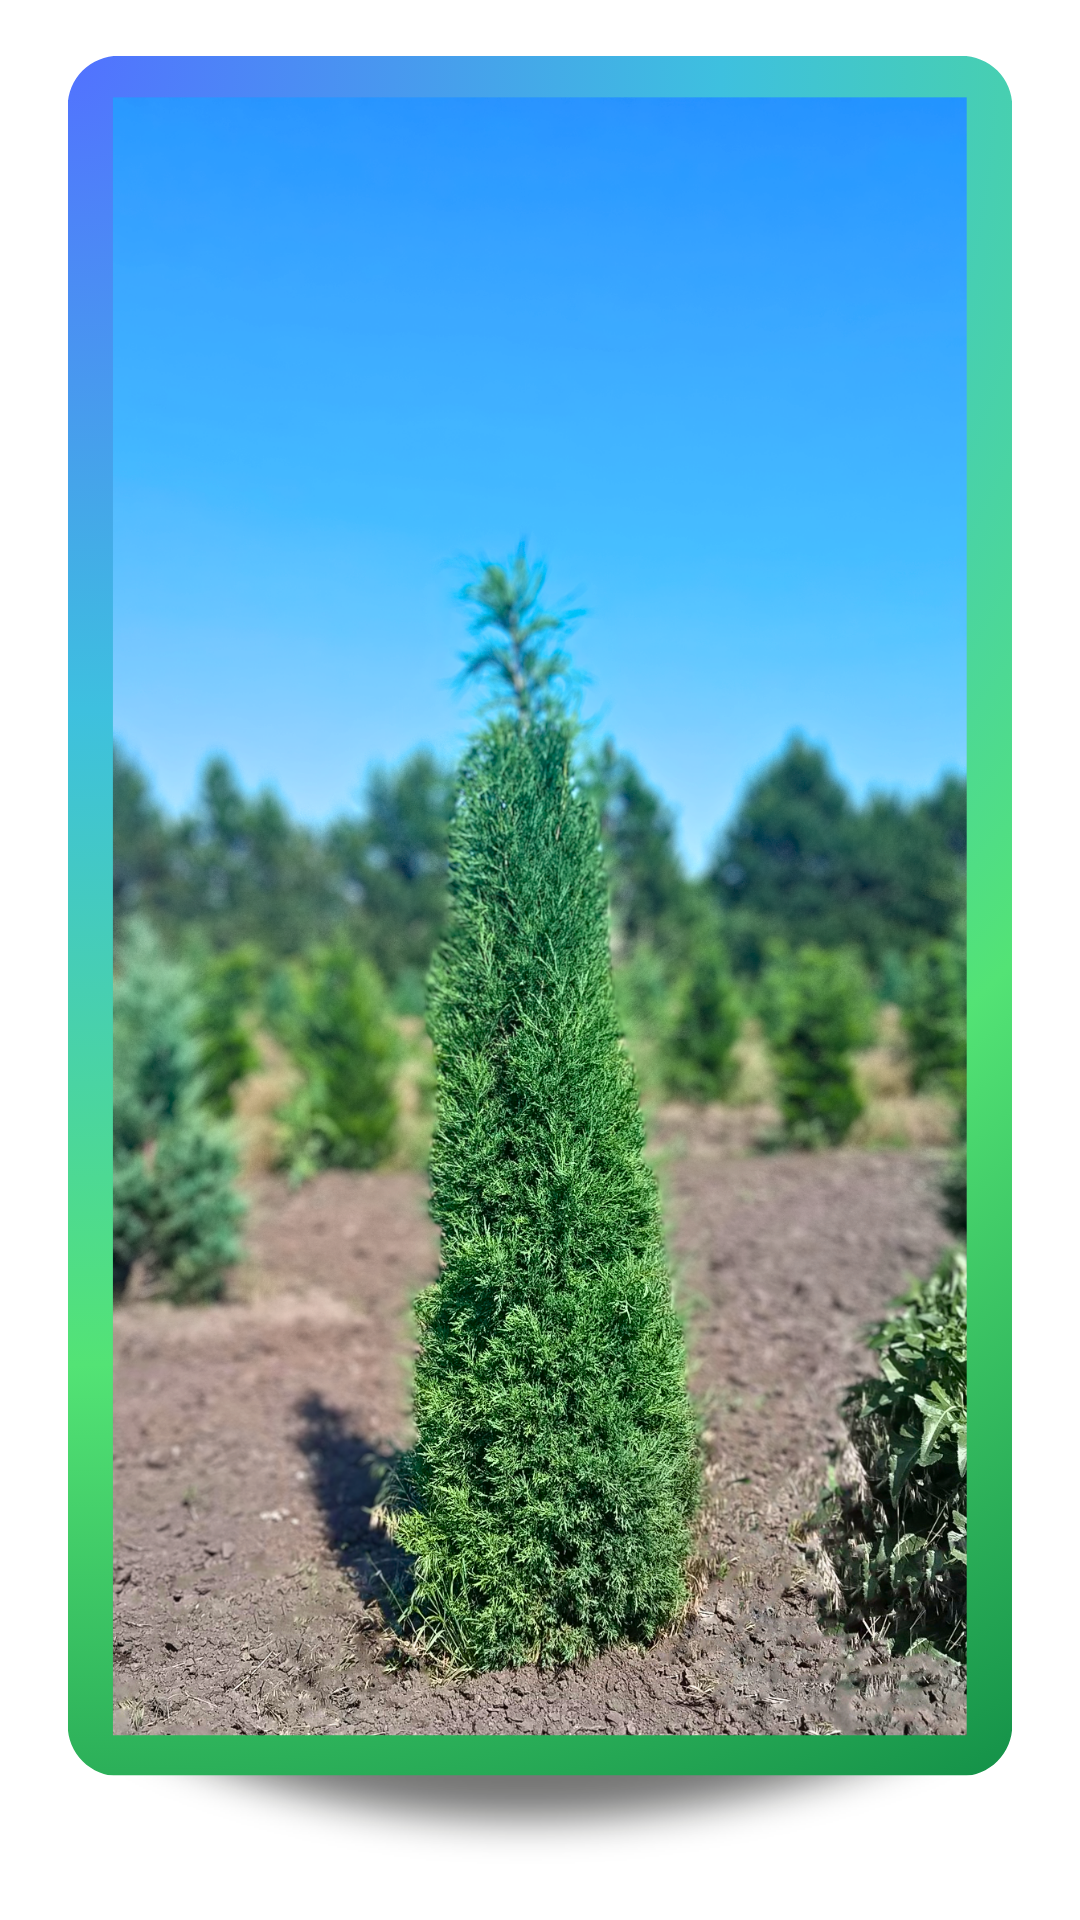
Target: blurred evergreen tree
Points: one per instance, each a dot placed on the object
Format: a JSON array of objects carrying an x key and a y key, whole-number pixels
[
  {"x": 934, "y": 1016},
  {"x": 142, "y": 843},
  {"x": 391, "y": 862},
  {"x": 652, "y": 900},
  {"x": 174, "y": 1168},
  {"x": 247, "y": 872},
  {"x": 229, "y": 988},
  {"x": 707, "y": 1017},
  {"x": 801, "y": 863},
  {"x": 816, "y": 1010},
  {"x": 341, "y": 1037}
]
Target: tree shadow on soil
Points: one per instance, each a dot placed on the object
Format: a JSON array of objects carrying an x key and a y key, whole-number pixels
[{"x": 350, "y": 1476}]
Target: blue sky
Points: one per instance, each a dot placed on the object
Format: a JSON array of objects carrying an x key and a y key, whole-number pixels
[{"x": 707, "y": 356}]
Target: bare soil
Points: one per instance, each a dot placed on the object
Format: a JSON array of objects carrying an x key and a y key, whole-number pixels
[{"x": 251, "y": 1438}]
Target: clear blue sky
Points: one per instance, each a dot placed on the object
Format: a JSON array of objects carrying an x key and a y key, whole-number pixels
[{"x": 707, "y": 356}]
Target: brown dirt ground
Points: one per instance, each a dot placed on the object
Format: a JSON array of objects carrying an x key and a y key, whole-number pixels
[{"x": 251, "y": 1436}]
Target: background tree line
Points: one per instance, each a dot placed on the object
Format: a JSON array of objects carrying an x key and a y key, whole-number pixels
[
  {"x": 799, "y": 863},
  {"x": 236, "y": 921}
]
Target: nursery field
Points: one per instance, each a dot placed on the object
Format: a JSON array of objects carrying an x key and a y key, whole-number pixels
[{"x": 252, "y": 1436}]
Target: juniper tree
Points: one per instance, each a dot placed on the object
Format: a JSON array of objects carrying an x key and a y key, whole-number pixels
[{"x": 555, "y": 1477}]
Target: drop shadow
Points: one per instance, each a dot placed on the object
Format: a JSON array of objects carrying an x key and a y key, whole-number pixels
[{"x": 545, "y": 1802}]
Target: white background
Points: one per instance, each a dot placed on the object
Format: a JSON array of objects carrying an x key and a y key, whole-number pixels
[{"x": 783, "y": 1847}]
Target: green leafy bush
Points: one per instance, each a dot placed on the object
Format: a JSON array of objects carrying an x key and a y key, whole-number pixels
[
  {"x": 816, "y": 1009},
  {"x": 174, "y": 1202},
  {"x": 555, "y": 1478},
  {"x": 335, "y": 1020},
  {"x": 897, "y": 1531}
]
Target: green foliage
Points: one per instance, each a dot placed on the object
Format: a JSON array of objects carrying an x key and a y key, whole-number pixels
[
  {"x": 816, "y": 1008},
  {"x": 934, "y": 1015},
  {"x": 652, "y": 901},
  {"x": 898, "y": 1535},
  {"x": 155, "y": 1053},
  {"x": 141, "y": 843},
  {"x": 707, "y": 1019},
  {"x": 174, "y": 1203},
  {"x": 333, "y": 1017},
  {"x": 244, "y": 871},
  {"x": 391, "y": 863},
  {"x": 645, "y": 1009},
  {"x": 555, "y": 1478},
  {"x": 228, "y": 990},
  {"x": 176, "y": 1208},
  {"x": 514, "y": 636},
  {"x": 674, "y": 990},
  {"x": 801, "y": 863},
  {"x": 239, "y": 872}
]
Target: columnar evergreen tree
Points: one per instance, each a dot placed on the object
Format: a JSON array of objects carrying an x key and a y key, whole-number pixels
[
  {"x": 934, "y": 1014},
  {"x": 351, "y": 1046},
  {"x": 816, "y": 1008},
  {"x": 333, "y": 1018},
  {"x": 555, "y": 1477},
  {"x": 708, "y": 1015}
]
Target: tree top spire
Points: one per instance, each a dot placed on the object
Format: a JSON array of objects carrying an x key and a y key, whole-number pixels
[{"x": 514, "y": 634}]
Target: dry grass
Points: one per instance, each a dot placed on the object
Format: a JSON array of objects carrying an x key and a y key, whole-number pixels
[
  {"x": 256, "y": 1101},
  {"x": 414, "y": 1090},
  {"x": 755, "y": 1080},
  {"x": 259, "y": 1097},
  {"x": 894, "y": 1116}
]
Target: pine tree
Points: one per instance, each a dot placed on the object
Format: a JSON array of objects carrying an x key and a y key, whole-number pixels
[{"x": 555, "y": 1477}]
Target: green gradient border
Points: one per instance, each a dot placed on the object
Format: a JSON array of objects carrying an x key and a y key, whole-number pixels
[{"x": 989, "y": 587}]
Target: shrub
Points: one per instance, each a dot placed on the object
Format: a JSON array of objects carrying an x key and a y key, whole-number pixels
[
  {"x": 707, "y": 1020},
  {"x": 155, "y": 1053},
  {"x": 554, "y": 1481},
  {"x": 816, "y": 1009},
  {"x": 897, "y": 1532},
  {"x": 174, "y": 1203},
  {"x": 934, "y": 1015},
  {"x": 229, "y": 987},
  {"x": 177, "y": 1209},
  {"x": 338, "y": 1027}
]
